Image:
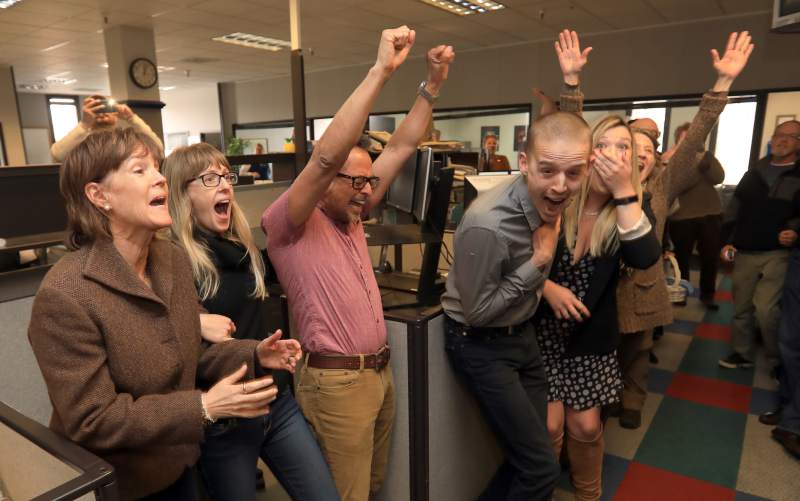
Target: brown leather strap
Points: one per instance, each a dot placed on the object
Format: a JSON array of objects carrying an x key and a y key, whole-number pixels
[{"x": 375, "y": 361}]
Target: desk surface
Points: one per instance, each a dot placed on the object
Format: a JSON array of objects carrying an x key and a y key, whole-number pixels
[
  {"x": 398, "y": 234},
  {"x": 34, "y": 241}
]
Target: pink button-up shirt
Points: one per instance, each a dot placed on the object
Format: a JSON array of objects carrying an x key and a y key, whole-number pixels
[{"x": 326, "y": 273}]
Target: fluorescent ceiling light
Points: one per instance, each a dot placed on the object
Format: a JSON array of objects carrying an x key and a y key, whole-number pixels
[
  {"x": 56, "y": 46},
  {"x": 162, "y": 69},
  {"x": 465, "y": 7},
  {"x": 168, "y": 87},
  {"x": 4, "y": 4},
  {"x": 254, "y": 41}
]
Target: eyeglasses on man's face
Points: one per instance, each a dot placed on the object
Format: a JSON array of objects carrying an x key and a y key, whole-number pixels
[
  {"x": 212, "y": 179},
  {"x": 360, "y": 181}
]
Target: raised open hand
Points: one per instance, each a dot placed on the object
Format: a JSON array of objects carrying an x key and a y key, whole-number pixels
[
  {"x": 733, "y": 61},
  {"x": 394, "y": 47},
  {"x": 439, "y": 59},
  {"x": 570, "y": 57}
]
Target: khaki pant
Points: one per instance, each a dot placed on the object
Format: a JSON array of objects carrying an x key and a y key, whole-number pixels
[
  {"x": 352, "y": 413},
  {"x": 757, "y": 287},
  {"x": 634, "y": 361}
]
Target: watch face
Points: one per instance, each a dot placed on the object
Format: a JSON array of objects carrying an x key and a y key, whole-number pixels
[{"x": 144, "y": 73}]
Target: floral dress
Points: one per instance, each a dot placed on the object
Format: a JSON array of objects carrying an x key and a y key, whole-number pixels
[{"x": 582, "y": 381}]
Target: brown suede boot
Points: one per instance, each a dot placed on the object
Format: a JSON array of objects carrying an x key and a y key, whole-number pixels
[{"x": 586, "y": 467}]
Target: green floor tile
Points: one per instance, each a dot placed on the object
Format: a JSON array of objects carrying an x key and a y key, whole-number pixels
[
  {"x": 701, "y": 360},
  {"x": 695, "y": 440},
  {"x": 725, "y": 283},
  {"x": 723, "y": 315}
]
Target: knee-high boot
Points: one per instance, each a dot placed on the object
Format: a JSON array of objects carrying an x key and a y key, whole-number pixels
[{"x": 586, "y": 466}]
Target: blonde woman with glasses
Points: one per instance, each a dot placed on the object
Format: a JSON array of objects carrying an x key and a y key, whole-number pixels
[
  {"x": 604, "y": 229},
  {"x": 229, "y": 274}
]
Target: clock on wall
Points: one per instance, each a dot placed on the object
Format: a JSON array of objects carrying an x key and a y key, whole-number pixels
[{"x": 143, "y": 72}]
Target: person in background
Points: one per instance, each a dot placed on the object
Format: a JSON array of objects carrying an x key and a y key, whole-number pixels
[
  {"x": 316, "y": 241},
  {"x": 698, "y": 220},
  {"x": 760, "y": 225},
  {"x": 99, "y": 113},
  {"x": 230, "y": 277},
  {"x": 115, "y": 328},
  {"x": 260, "y": 170},
  {"x": 504, "y": 245},
  {"x": 642, "y": 295},
  {"x": 489, "y": 160}
]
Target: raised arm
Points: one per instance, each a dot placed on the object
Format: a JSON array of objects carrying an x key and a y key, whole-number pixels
[
  {"x": 571, "y": 59},
  {"x": 684, "y": 165},
  {"x": 333, "y": 148},
  {"x": 405, "y": 140}
]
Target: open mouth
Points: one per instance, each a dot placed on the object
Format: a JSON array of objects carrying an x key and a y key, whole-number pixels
[
  {"x": 222, "y": 207},
  {"x": 158, "y": 201},
  {"x": 358, "y": 203},
  {"x": 555, "y": 204}
]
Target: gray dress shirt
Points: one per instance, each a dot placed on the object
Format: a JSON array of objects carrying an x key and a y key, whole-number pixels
[{"x": 493, "y": 281}]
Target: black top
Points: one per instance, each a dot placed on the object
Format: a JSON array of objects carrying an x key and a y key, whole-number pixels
[
  {"x": 758, "y": 212},
  {"x": 234, "y": 297},
  {"x": 599, "y": 334}
]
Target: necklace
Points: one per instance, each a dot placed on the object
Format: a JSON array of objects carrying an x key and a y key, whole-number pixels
[{"x": 587, "y": 213}]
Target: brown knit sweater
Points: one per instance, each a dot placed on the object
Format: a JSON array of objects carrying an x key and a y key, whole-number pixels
[
  {"x": 120, "y": 361},
  {"x": 702, "y": 199},
  {"x": 642, "y": 296}
]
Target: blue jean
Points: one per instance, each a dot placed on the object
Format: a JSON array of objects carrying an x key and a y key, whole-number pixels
[
  {"x": 282, "y": 439},
  {"x": 789, "y": 347}
]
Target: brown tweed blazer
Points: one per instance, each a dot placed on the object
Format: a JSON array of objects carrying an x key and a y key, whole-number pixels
[
  {"x": 642, "y": 294},
  {"x": 120, "y": 361}
]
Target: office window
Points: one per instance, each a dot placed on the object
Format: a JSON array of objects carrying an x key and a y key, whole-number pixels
[
  {"x": 734, "y": 138},
  {"x": 64, "y": 114}
]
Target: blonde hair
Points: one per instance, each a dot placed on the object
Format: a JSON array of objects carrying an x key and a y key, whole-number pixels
[
  {"x": 604, "y": 239},
  {"x": 180, "y": 168}
]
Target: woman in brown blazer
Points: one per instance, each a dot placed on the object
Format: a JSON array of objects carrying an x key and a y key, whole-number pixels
[
  {"x": 116, "y": 331},
  {"x": 642, "y": 295}
]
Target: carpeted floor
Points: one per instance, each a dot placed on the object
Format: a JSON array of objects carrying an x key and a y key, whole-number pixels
[{"x": 700, "y": 438}]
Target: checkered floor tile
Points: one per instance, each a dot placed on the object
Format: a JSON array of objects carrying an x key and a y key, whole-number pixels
[{"x": 700, "y": 437}]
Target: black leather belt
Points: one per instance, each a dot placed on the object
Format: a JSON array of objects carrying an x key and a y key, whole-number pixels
[{"x": 484, "y": 332}]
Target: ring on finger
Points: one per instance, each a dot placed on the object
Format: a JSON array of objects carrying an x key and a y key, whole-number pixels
[{"x": 244, "y": 388}]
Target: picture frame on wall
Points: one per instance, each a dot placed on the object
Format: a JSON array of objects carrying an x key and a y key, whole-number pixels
[
  {"x": 493, "y": 130},
  {"x": 520, "y": 135},
  {"x": 784, "y": 118}
]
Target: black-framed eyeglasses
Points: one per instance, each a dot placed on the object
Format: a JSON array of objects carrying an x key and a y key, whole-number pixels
[
  {"x": 360, "y": 181},
  {"x": 212, "y": 179}
]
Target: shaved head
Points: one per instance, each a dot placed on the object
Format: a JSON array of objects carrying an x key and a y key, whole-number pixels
[
  {"x": 559, "y": 126},
  {"x": 645, "y": 124}
]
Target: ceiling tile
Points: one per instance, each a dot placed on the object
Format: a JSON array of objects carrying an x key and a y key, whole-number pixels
[
  {"x": 739, "y": 6},
  {"x": 562, "y": 15},
  {"x": 621, "y": 14}
]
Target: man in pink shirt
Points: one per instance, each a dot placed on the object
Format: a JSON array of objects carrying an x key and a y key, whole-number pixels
[{"x": 317, "y": 245}]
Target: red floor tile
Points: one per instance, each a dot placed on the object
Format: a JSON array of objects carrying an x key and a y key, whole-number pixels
[
  {"x": 723, "y": 296},
  {"x": 717, "y": 332},
  {"x": 654, "y": 484},
  {"x": 730, "y": 396}
]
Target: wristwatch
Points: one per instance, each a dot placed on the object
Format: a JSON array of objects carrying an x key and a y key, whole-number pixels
[
  {"x": 422, "y": 91},
  {"x": 625, "y": 200}
]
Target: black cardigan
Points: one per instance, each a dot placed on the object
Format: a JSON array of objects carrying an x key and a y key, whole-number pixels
[{"x": 599, "y": 333}]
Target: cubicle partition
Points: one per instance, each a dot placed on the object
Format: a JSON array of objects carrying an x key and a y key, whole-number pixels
[{"x": 39, "y": 465}]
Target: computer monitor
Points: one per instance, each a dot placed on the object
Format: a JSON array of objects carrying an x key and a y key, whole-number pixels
[
  {"x": 34, "y": 192},
  {"x": 422, "y": 182},
  {"x": 401, "y": 191},
  {"x": 469, "y": 158}
]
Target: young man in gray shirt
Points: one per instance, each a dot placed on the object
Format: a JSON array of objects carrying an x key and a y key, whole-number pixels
[{"x": 503, "y": 250}]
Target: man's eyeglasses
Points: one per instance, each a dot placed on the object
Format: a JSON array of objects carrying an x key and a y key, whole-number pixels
[
  {"x": 360, "y": 181},
  {"x": 779, "y": 135},
  {"x": 212, "y": 179}
]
